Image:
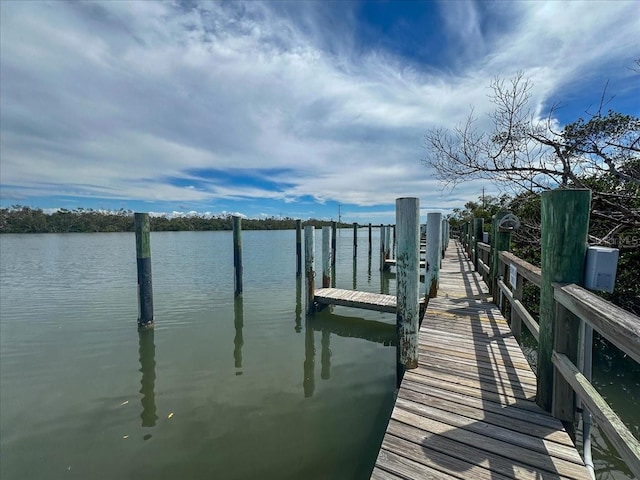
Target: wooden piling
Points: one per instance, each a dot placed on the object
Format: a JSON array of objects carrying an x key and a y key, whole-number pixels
[
  {"x": 432, "y": 257},
  {"x": 407, "y": 280},
  {"x": 326, "y": 257},
  {"x": 370, "y": 240},
  {"x": 237, "y": 255},
  {"x": 309, "y": 259},
  {"x": 387, "y": 242},
  {"x": 143, "y": 258},
  {"x": 382, "y": 265},
  {"x": 565, "y": 226},
  {"x": 298, "y": 248},
  {"x": 355, "y": 240},
  {"x": 501, "y": 243},
  {"x": 334, "y": 235},
  {"x": 478, "y": 228}
]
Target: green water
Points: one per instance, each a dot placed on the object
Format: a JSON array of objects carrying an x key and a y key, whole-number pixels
[{"x": 220, "y": 389}]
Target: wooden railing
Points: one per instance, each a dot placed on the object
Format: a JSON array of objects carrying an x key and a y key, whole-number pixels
[{"x": 575, "y": 310}]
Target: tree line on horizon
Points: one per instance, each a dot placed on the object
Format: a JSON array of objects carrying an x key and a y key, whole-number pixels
[{"x": 23, "y": 219}]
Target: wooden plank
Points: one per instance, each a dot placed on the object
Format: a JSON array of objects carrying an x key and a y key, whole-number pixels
[
  {"x": 620, "y": 327},
  {"x": 391, "y": 262},
  {"x": 521, "y": 311},
  {"x": 353, "y": 298},
  {"x": 526, "y": 269}
]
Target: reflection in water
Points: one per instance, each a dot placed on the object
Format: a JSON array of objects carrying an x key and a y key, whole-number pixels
[
  {"x": 369, "y": 268},
  {"x": 147, "y": 356},
  {"x": 238, "y": 341},
  {"x": 309, "y": 383},
  {"x": 325, "y": 372},
  {"x": 298, "y": 327},
  {"x": 354, "y": 327}
]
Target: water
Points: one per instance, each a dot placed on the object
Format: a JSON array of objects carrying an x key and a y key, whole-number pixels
[{"x": 219, "y": 389}]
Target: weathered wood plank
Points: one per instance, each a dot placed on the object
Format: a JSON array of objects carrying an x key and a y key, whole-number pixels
[{"x": 353, "y": 298}]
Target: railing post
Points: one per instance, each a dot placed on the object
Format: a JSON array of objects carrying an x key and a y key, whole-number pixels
[
  {"x": 326, "y": 257},
  {"x": 237, "y": 255},
  {"x": 298, "y": 248},
  {"x": 309, "y": 258},
  {"x": 501, "y": 243},
  {"x": 143, "y": 260},
  {"x": 478, "y": 227},
  {"x": 565, "y": 226},
  {"x": 432, "y": 256},
  {"x": 407, "y": 281}
]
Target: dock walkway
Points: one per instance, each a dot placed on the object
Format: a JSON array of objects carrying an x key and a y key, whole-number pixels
[{"x": 469, "y": 410}]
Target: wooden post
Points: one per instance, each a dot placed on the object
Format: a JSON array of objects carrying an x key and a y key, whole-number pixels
[
  {"x": 443, "y": 233},
  {"x": 355, "y": 240},
  {"x": 387, "y": 242},
  {"x": 393, "y": 227},
  {"x": 407, "y": 280},
  {"x": 370, "y": 241},
  {"x": 516, "y": 321},
  {"x": 478, "y": 228},
  {"x": 326, "y": 257},
  {"x": 309, "y": 259},
  {"x": 334, "y": 235},
  {"x": 298, "y": 248},
  {"x": 237, "y": 255},
  {"x": 432, "y": 256},
  {"x": 501, "y": 243},
  {"x": 565, "y": 226},
  {"x": 382, "y": 266},
  {"x": 143, "y": 258}
]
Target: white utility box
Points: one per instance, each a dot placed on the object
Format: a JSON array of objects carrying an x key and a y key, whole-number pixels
[
  {"x": 485, "y": 237},
  {"x": 600, "y": 268}
]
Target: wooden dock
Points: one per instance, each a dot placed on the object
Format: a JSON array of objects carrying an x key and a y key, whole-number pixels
[
  {"x": 353, "y": 298},
  {"x": 469, "y": 410}
]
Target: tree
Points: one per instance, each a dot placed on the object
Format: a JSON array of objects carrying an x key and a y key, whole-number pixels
[{"x": 527, "y": 154}]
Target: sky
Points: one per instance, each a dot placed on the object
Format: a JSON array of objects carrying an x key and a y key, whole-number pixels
[{"x": 302, "y": 109}]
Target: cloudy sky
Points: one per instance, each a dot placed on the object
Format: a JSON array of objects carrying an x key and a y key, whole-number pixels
[{"x": 279, "y": 108}]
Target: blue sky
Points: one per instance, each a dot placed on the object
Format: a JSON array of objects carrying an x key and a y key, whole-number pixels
[{"x": 279, "y": 108}]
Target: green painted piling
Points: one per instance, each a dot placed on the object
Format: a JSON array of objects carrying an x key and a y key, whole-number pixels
[
  {"x": 142, "y": 227},
  {"x": 326, "y": 257},
  {"x": 565, "y": 226},
  {"x": 478, "y": 228},
  {"x": 237, "y": 255},
  {"x": 432, "y": 255},
  {"x": 355, "y": 240},
  {"x": 501, "y": 242},
  {"x": 298, "y": 248}
]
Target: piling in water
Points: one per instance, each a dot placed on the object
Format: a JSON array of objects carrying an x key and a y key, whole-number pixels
[
  {"x": 309, "y": 259},
  {"x": 143, "y": 257},
  {"x": 407, "y": 280},
  {"x": 334, "y": 235},
  {"x": 298, "y": 247},
  {"x": 355, "y": 240},
  {"x": 237, "y": 255}
]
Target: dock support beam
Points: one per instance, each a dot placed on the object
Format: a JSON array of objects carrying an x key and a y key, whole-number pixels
[
  {"x": 355, "y": 240},
  {"x": 298, "y": 248},
  {"x": 407, "y": 281},
  {"x": 369, "y": 240},
  {"x": 143, "y": 258},
  {"x": 237, "y": 255},
  {"x": 326, "y": 257},
  {"x": 565, "y": 226},
  {"x": 309, "y": 259},
  {"x": 382, "y": 265},
  {"x": 432, "y": 257},
  {"x": 334, "y": 235}
]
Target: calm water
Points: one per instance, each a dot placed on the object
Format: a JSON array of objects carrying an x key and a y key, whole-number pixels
[{"x": 220, "y": 389}]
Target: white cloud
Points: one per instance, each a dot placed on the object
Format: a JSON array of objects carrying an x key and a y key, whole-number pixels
[{"x": 119, "y": 99}]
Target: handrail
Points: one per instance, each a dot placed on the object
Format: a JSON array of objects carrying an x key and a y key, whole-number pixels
[
  {"x": 620, "y": 327},
  {"x": 484, "y": 247},
  {"x": 617, "y": 432},
  {"x": 526, "y": 269},
  {"x": 520, "y": 309}
]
